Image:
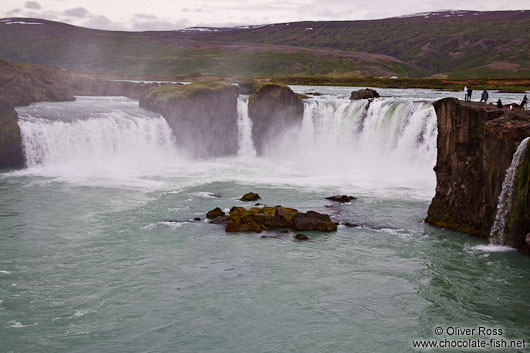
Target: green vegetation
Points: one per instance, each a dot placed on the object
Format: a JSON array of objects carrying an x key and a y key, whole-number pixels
[
  {"x": 485, "y": 45},
  {"x": 165, "y": 93},
  {"x": 515, "y": 85}
]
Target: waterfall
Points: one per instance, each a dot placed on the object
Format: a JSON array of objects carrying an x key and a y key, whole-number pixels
[
  {"x": 504, "y": 203},
  {"x": 244, "y": 126},
  {"x": 391, "y": 138}
]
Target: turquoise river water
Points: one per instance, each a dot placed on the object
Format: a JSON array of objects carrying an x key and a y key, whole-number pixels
[{"x": 99, "y": 251}]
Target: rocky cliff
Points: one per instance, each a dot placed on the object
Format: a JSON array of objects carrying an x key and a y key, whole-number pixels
[
  {"x": 202, "y": 115},
  {"x": 273, "y": 108},
  {"x": 476, "y": 143}
]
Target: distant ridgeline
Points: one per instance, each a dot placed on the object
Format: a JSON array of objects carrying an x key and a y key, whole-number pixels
[
  {"x": 482, "y": 155},
  {"x": 459, "y": 44}
]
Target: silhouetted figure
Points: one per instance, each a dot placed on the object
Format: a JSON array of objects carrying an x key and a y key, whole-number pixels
[
  {"x": 485, "y": 96},
  {"x": 465, "y": 93},
  {"x": 469, "y": 93},
  {"x": 524, "y": 103},
  {"x": 499, "y": 104}
]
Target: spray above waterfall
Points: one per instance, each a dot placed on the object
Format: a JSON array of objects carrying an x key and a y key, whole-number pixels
[{"x": 339, "y": 143}]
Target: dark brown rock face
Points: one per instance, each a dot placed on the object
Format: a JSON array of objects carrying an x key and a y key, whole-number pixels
[
  {"x": 273, "y": 108},
  {"x": 203, "y": 116},
  {"x": 340, "y": 198},
  {"x": 312, "y": 220},
  {"x": 364, "y": 94},
  {"x": 250, "y": 196},
  {"x": 476, "y": 143},
  {"x": 216, "y": 212},
  {"x": 11, "y": 154}
]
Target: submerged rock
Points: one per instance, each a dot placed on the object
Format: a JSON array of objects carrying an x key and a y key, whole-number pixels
[
  {"x": 250, "y": 196},
  {"x": 312, "y": 220},
  {"x": 350, "y": 225},
  {"x": 273, "y": 109},
  {"x": 301, "y": 237},
  {"x": 364, "y": 94},
  {"x": 216, "y": 212},
  {"x": 341, "y": 198}
]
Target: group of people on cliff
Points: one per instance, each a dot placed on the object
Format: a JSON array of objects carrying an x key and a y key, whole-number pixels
[{"x": 468, "y": 92}]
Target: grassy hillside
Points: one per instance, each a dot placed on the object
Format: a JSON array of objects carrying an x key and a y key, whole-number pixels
[{"x": 446, "y": 45}]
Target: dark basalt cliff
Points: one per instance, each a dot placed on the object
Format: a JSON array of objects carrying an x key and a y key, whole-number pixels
[
  {"x": 25, "y": 84},
  {"x": 202, "y": 115},
  {"x": 273, "y": 108},
  {"x": 476, "y": 143}
]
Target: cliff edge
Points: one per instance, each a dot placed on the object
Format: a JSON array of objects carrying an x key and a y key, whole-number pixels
[{"x": 476, "y": 144}]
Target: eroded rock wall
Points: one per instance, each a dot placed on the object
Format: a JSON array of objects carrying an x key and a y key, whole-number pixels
[
  {"x": 203, "y": 116},
  {"x": 476, "y": 143}
]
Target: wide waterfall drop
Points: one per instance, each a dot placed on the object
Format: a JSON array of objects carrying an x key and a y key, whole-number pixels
[
  {"x": 504, "y": 205},
  {"x": 387, "y": 141},
  {"x": 95, "y": 136}
]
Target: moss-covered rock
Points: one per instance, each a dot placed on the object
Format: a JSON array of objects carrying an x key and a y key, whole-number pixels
[
  {"x": 273, "y": 108},
  {"x": 259, "y": 219},
  {"x": 202, "y": 115}
]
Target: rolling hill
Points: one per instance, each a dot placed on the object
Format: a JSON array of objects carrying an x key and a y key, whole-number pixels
[{"x": 454, "y": 44}]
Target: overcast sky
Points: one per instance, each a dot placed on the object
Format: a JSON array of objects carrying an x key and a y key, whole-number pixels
[{"x": 175, "y": 14}]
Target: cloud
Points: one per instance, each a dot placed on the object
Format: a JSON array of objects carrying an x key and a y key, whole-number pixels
[
  {"x": 79, "y": 12},
  {"x": 102, "y": 22},
  {"x": 159, "y": 25},
  {"x": 13, "y": 12},
  {"x": 33, "y": 5},
  {"x": 144, "y": 16}
]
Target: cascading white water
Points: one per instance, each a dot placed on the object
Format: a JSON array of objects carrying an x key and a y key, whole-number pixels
[
  {"x": 380, "y": 145},
  {"x": 118, "y": 135},
  {"x": 95, "y": 137},
  {"x": 244, "y": 125},
  {"x": 504, "y": 203},
  {"x": 386, "y": 138}
]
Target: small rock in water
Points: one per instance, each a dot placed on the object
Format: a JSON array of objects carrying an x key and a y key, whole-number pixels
[
  {"x": 301, "y": 236},
  {"x": 216, "y": 212},
  {"x": 341, "y": 198},
  {"x": 258, "y": 204},
  {"x": 351, "y": 225},
  {"x": 312, "y": 220},
  {"x": 197, "y": 218},
  {"x": 251, "y": 196}
]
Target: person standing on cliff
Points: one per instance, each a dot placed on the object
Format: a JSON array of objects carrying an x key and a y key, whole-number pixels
[
  {"x": 485, "y": 96},
  {"x": 465, "y": 93},
  {"x": 524, "y": 103},
  {"x": 469, "y": 93}
]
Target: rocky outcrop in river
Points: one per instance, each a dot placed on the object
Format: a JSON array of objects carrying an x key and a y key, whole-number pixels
[
  {"x": 273, "y": 108},
  {"x": 202, "y": 115},
  {"x": 476, "y": 144}
]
